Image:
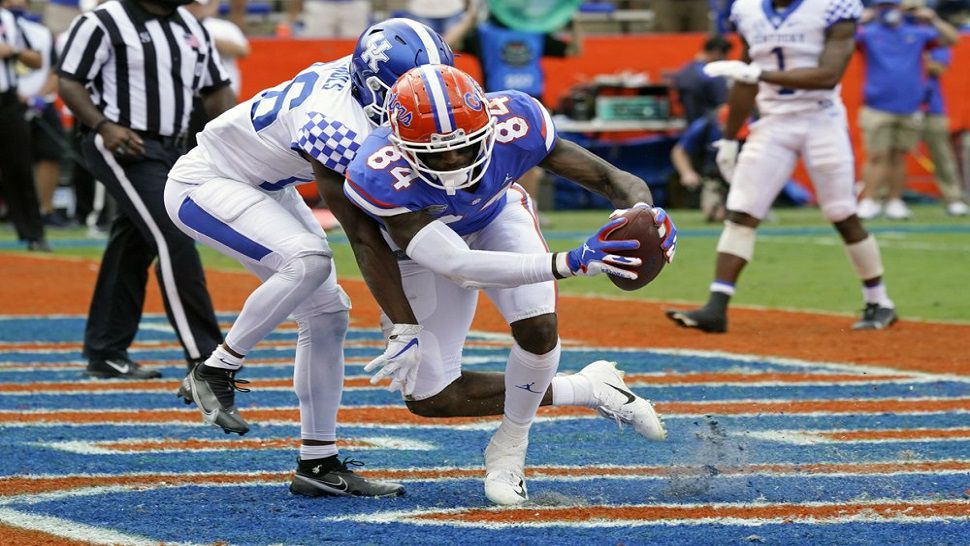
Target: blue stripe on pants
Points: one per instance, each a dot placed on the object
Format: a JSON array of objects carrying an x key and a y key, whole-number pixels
[{"x": 198, "y": 219}]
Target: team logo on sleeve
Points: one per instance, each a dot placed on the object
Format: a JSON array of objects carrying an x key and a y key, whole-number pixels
[{"x": 376, "y": 52}]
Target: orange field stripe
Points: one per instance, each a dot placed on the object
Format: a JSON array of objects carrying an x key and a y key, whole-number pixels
[
  {"x": 396, "y": 415},
  {"x": 907, "y": 434},
  {"x": 204, "y": 444},
  {"x": 20, "y": 485},
  {"x": 787, "y": 512},
  {"x": 718, "y": 378},
  {"x": 17, "y": 535}
]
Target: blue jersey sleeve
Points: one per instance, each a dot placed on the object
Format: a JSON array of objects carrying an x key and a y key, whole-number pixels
[
  {"x": 691, "y": 139},
  {"x": 523, "y": 122},
  {"x": 942, "y": 55},
  {"x": 328, "y": 141},
  {"x": 379, "y": 181}
]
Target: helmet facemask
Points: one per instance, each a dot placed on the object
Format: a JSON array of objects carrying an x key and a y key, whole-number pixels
[{"x": 451, "y": 180}]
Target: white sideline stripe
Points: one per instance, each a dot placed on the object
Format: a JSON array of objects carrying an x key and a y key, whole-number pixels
[
  {"x": 411, "y": 516},
  {"x": 164, "y": 259},
  {"x": 814, "y": 437},
  {"x": 117, "y": 447},
  {"x": 65, "y": 528},
  {"x": 434, "y": 56}
]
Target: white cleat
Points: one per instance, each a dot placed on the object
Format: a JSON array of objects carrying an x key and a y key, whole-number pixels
[
  {"x": 618, "y": 403},
  {"x": 505, "y": 470}
]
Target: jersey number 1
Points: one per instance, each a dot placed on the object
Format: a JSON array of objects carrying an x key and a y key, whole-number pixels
[{"x": 780, "y": 53}]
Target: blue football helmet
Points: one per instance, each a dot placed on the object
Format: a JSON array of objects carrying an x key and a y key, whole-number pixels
[{"x": 386, "y": 51}]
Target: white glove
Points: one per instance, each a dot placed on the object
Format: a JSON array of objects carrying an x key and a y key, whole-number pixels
[
  {"x": 400, "y": 360},
  {"x": 727, "y": 157},
  {"x": 735, "y": 70}
]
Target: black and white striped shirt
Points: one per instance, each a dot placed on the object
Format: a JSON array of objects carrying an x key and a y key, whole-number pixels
[
  {"x": 11, "y": 35},
  {"x": 143, "y": 70}
]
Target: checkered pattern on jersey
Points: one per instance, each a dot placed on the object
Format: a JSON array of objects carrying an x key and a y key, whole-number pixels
[
  {"x": 842, "y": 10},
  {"x": 328, "y": 141}
]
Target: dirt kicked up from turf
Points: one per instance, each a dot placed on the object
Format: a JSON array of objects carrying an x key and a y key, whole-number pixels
[{"x": 53, "y": 285}]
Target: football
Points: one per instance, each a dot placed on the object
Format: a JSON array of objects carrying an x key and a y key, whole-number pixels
[{"x": 640, "y": 226}]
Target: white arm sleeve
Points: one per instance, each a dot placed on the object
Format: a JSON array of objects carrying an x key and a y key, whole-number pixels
[{"x": 443, "y": 251}]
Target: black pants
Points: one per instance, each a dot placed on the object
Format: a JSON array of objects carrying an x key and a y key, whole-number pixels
[
  {"x": 16, "y": 170},
  {"x": 140, "y": 233}
]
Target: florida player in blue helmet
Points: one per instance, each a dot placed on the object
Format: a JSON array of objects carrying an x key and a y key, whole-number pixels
[
  {"x": 235, "y": 193},
  {"x": 441, "y": 181}
]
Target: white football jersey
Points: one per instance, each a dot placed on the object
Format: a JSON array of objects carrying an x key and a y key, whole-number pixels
[
  {"x": 259, "y": 141},
  {"x": 792, "y": 37}
]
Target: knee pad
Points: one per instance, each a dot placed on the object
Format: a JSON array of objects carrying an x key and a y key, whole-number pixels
[
  {"x": 839, "y": 210},
  {"x": 737, "y": 240},
  {"x": 309, "y": 270}
]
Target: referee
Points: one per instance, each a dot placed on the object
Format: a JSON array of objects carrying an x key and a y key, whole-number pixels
[
  {"x": 16, "y": 176},
  {"x": 129, "y": 71}
]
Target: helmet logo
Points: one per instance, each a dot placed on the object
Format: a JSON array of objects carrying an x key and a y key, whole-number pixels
[
  {"x": 397, "y": 111},
  {"x": 376, "y": 52},
  {"x": 472, "y": 101}
]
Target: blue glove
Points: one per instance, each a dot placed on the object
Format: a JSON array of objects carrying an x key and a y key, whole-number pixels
[
  {"x": 665, "y": 225},
  {"x": 594, "y": 256}
]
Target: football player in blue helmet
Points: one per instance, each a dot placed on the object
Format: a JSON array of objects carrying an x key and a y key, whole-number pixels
[{"x": 386, "y": 51}]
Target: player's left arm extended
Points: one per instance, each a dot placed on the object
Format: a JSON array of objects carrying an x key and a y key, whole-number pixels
[
  {"x": 569, "y": 160},
  {"x": 839, "y": 46}
]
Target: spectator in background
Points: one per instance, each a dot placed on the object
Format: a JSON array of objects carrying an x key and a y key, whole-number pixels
[
  {"x": 936, "y": 127},
  {"x": 699, "y": 93},
  {"x": 893, "y": 47},
  {"x": 330, "y": 18},
  {"x": 439, "y": 15},
  {"x": 510, "y": 59},
  {"x": 16, "y": 179},
  {"x": 681, "y": 15},
  {"x": 227, "y": 37},
  {"x": 721, "y": 13},
  {"x": 37, "y": 90},
  {"x": 58, "y": 14},
  {"x": 694, "y": 159}
]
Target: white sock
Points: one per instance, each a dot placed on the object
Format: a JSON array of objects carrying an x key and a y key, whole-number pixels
[
  {"x": 511, "y": 432},
  {"x": 572, "y": 390},
  {"x": 317, "y": 452},
  {"x": 221, "y": 358},
  {"x": 877, "y": 294},
  {"x": 527, "y": 377}
]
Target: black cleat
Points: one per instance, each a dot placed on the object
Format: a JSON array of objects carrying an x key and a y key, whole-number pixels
[
  {"x": 876, "y": 317},
  {"x": 702, "y": 319},
  {"x": 213, "y": 389},
  {"x": 121, "y": 368},
  {"x": 331, "y": 477}
]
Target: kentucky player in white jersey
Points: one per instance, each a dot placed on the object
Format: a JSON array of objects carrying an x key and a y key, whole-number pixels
[
  {"x": 794, "y": 55},
  {"x": 441, "y": 182},
  {"x": 235, "y": 193}
]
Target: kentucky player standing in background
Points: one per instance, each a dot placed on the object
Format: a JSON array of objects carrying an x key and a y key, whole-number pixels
[
  {"x": 794, "y": 55},
  {"x": 441, "y": 181},
  {"x": 235, "y": 193}
]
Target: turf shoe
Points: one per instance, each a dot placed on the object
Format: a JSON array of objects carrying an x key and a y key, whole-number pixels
[
  {"x": 505, "y": 469},
  {"x": 332, "y": 477},
  {"x": 703, "y": 319},
  {"x": 213, "y": 389},
  {"x": 618, "y": 403},
  {"x": 120, "y": 368},
  {"x": 876, "y": 317}
]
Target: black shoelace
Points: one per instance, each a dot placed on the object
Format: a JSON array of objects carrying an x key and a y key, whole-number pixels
[{"x": 224, "y": 384}]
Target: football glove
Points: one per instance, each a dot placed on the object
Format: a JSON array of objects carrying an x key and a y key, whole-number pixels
[
  {"x": 594, "y": 256},
  {"x": 736, "y": 70},
  {"x": 665, "y": 225},
  {"x": 727, "y": 157},
  {"x": 400, "y": 360}
]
